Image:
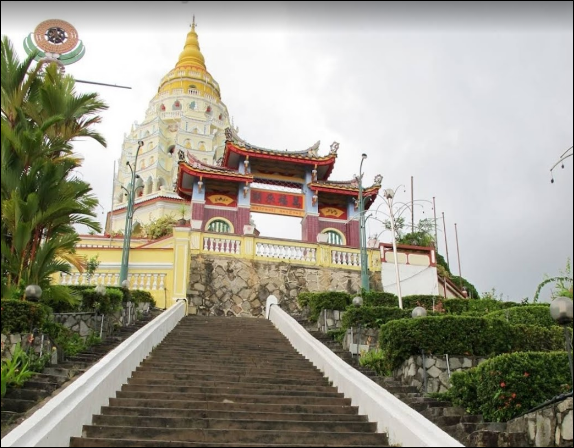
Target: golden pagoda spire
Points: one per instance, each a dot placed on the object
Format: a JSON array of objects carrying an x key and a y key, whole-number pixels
[{"x": 191, "y": 54}]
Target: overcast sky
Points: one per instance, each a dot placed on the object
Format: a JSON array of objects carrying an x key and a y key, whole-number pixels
[{"x": 472, "y": 99}]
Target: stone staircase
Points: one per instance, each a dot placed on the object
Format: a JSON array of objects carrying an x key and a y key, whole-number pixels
[
  {"x": 19, "y": 403},
  {"x": 470, "y": 430},
  {"x": 227, "y": 381}
]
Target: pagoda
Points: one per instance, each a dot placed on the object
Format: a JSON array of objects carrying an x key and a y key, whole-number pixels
[
  {"x": 186, "y": 115},
  {"x": 249, "y": 179}
]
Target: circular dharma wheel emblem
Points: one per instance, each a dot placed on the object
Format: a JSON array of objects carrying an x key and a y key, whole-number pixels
[{"x": 56, "y": 36}]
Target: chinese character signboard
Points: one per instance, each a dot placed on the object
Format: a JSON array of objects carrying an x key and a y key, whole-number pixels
[
  {"x": 221, "y": 198},
  {"x": 277, "y": 202},
  {"x": 332, "y": 211}
]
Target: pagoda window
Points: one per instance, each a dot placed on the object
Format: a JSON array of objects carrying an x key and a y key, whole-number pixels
[
  {"x": 334, "y": 237},
  {"x": 187, "y": 143},
  {"x": 219, "y": 226},
  {"x": 176, "y": 105},
  {"x": 162, "y": 108},
  {"x": 192, "y": 105},
  {"x": 202, "y": 146},
  {"x": 208, "y": 110}
]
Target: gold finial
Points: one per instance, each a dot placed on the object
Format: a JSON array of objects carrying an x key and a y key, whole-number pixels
[{"x": 193, "y": 25}]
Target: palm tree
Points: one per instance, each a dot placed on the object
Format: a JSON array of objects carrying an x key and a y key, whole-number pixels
[{"x": 42, "y": 199}]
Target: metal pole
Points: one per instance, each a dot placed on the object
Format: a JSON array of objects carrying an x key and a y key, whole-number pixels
[
  {"x": 569, "y": 351},
  {"x": 458, "y": 255},
  {"x": 129, "y": 219},
  {"x": 109, "y": 221},
  {"x": 397, "y": 275},
  {"x": 445, "y": 241},
  {"x": 412, "y": 205},
  {"x": 435, "y": 230},
  {"x": 362, "y": 240}
]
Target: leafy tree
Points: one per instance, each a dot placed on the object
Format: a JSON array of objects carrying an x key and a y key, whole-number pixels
[{"x": 42, "y": 199}]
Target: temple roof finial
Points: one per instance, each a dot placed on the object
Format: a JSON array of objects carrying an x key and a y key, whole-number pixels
[{"x": 193, "y": 24}]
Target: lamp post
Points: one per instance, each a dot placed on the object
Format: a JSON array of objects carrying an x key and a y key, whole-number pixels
[
  {"x": 129, "y": 216},
  {"x": 561, "y": 312},
  {"x": 389, "y": 195},
  {"x": 418, "y": 312},
  {"x": 357, "y": 303},
  {"x": 362, "y": 230}
]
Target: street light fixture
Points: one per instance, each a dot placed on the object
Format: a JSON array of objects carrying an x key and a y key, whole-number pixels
[
  {"x": 362, "y": 230},
  {"x": 389, "y": 195},
  {"x": 561, "y": 312},
  {"x": 130, "y": 215},
  {"x": 33, "y": 293}
]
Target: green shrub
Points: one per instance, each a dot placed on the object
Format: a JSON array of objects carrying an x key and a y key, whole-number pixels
[
  {"x": 379, "y": 298},
  {"x": 426, "y": 301},
  {"x": 65, "y": 339},
  {"x": 139, "y": 296},
  {"x": 16, "y": 370},
  {"x": 528, "y": 314},
  {"x": 375, "y": 359},
  {"x": 462, "y": 335},
  {"x": 508, "y": 385},
  {"x": 372, "y": 316},
  {"x": 21, "y": 316},
  {"x": 478, "y": 307},
  {"x": 317, "y": 301},
  {"x": 104, "y": 304}
]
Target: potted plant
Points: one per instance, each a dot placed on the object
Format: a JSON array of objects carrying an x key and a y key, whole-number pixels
[{"x": 182, "y": 211}]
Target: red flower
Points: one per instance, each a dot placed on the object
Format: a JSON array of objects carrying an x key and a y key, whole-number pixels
[
  {"x": 503, "y": 384},
  {"x": 526, "y": 374},
  {"x": 513, "y": 395}
]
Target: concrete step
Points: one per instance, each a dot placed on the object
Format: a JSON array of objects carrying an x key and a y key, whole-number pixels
[
  {"x": 233, "y": 415},
  {"x": 245, "y": 424},
  {"x": 229, "y": 390},
  {"x": 278, "y": 399},
  {"x": 244, "y": 370},
  {"x": 232, "y": 406},
  {"x": 223, "y": 384},
  {"x": 98, "y": 442},
  {"x": 234, "y": 378},
  {"x": 232, "y": 435}
]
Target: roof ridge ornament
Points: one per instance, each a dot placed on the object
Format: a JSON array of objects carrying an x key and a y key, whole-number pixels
[
  {"x": 378, "y": 180},
  {"x": 313, "y": 151},
  {"x": 334, "y": 148}
]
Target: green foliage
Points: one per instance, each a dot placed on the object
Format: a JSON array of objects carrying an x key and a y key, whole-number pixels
[
  {"x": 159, "y": 227},
  {"x": 528, "y": 314},
  {"x": 462, "y": 335},
  {"x": 337, "y": 335},
  {"x": 126, "y": 293},
  {"x": 67, "y": 340},
  {"x": 476, "y": 307},
  {"x": 15, "y": 371},
  {"x": 104, "y": 304},
  {"x": 372, "y": 316},
  {"x": 317, "y": 301},
  {"x": 379, "y": 298},
  {"x": 375, "y": 360},
  {"x": 92, "y": 266},
  {"x": 440, "y": 261},
  {"x": 562, "y": 284},
  {"x": 61, "y": 298},
  {"x": 426, "y": 301},
  {"x": 470, "y": 289},
  {"x": 508, "y": 385},
  {"x": 19, "y": 316},
  {"x": 139, "y": 296},
  {"x": 42, "y": 198}
]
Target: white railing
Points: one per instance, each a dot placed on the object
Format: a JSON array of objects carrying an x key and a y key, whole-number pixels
[
  {"x": 146, "y": 281},
  {"x": 286, "y": 252},
  {"x": 341, "y": 258},
  {"x": 221, "y": 245}
]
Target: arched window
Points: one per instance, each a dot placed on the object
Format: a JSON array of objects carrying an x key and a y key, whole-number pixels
[
  {"x": 218, "y": 226},
  {"x": 192, "y": 105},
  {"x": 176, "y": 105},
  {"x": 334, "y": 237}
]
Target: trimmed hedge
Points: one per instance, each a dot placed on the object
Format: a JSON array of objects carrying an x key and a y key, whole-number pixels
[
  {"x": 125, "y": 291},
  {"x": 372, "y": 316},
  {"x": 462, "y": 335},
  {"x": 317, "y": 301},
  {"x": 480, "y": 307},
  {"x": 103, "y": 304},
  {"x": 508, "y": 385},
  {"x": 140, "y": 296},
  {"x": 20, "y": 316},
  {"x": 379, "y": 298},
  {"x": 526, "y": 314}
]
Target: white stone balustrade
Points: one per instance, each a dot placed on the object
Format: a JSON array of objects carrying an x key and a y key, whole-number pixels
[
  {"x": 146, "y": 281},
  {"x": 344, "y": 258},
  {"x": 286, "y": 252},
  {"x": 221, "y": 245}
]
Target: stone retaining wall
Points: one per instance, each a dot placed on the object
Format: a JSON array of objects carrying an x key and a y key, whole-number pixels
[
  {"x": 411, "y": 372},
  {"x": 225, "y": 286}
]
